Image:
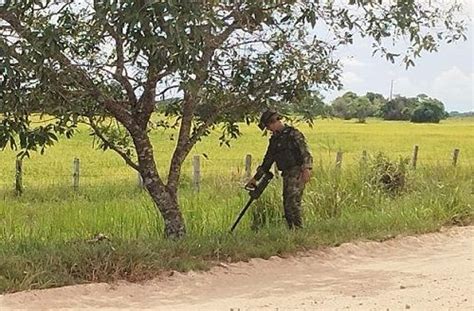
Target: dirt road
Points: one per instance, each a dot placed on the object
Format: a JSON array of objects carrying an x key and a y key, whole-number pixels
[{"x": 428, "y": 272}]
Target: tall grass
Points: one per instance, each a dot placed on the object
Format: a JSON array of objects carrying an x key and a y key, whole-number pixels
[
  {"x": 100, "y": 169},
  {"x": 47, "y": 235}
]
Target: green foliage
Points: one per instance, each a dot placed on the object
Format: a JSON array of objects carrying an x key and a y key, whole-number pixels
[
  {"x": 377, "y": 101},
  {"x": 350, "y": 105},
  {"x": 362, "y": 108},
  {"x": 461, "y": 114},
  {"x": 72, "y": 61},
  {"x": 428, "y": 110},
  {"x": 307, "y": 109},
  {"x": 18, "y": 134},
  {"x": 117, "y": 136},
  {"x": 342, "y": 107},
  {"x": 399, "y": 108},
  {"x": 419, "y": 109},
  {"x": 389, "y": 175}
]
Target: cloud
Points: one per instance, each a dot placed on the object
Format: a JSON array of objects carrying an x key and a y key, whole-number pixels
[
  {"x": 410, "y": 86},
  {"x": 349, "y": 78},
  {"x": 350, "y": 61},
  {"x": 468, "y": 8},
  {"x": 454, "y": 85}
]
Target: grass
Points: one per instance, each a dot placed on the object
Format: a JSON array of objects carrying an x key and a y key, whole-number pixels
[
  {"x": 99, "y": 169},
  {"x": 45, "y": 234}
]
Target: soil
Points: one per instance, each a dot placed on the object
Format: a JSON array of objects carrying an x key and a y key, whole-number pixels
[{"x": 428, "y": 272}]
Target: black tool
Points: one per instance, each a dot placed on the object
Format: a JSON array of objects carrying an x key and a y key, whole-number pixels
[{"x": 254, "y": 193}]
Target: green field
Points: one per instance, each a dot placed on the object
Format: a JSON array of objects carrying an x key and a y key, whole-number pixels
[
  {"x": 99, "y": 169},
  {"x": 44, "y": 233}
]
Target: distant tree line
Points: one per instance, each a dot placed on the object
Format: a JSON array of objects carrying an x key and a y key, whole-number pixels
[
  {"x": 461, "y": 114},
  {"x": 418, "y": 109}
]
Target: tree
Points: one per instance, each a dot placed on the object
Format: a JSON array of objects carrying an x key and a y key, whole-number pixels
[
  {"x": 428, "y": 110},
  {"x": 312, "y": 106},
  {"x": 362, "y": 108},
  {"x": 377, "y": 101},
  {"x": 105, "y": 63},
  {"x": 342, "y": 106},
  {"x": 456, "y": 114},
  {"x": 350, "y": 105},
  {"x": 399, "y": 108}
]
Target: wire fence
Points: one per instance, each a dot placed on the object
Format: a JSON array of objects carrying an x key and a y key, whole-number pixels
[{"x": 23, "y": 176}]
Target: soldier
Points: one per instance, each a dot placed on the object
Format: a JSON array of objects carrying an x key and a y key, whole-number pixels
[{"x": 289, "y": 150}]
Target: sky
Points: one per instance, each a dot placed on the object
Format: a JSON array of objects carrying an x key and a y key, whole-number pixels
[{"x": 447, "y": 75}]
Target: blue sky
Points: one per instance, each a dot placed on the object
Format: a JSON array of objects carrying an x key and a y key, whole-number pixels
[{"x": 447, "y": 75}]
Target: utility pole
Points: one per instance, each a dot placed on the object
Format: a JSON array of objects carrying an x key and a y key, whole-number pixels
[{"x": 391, "y": 89}]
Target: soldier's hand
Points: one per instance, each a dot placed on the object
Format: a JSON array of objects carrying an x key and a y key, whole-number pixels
[
  {"x": 305, "y": 175},
  {"x": 251, "y": 184}
]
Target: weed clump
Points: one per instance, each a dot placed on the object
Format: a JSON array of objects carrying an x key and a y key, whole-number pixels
[{"x": 387, "y": 174}]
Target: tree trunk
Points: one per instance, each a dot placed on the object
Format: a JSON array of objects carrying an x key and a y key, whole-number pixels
[
  {"x": 167, "y": 204},
  {"x": 165, "y": 199}
]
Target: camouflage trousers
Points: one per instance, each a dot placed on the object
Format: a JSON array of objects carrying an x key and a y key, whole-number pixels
[{"x": 292, "y": 194}]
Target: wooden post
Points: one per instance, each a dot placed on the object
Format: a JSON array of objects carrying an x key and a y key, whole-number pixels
[
  {"x": 455, "y": 156},
  {"x": 338, "y": 159},
  {"x": 196, "y": 173},
  {"x": 415, "y": 157},
  {"x": 75, "y": 174},
  {"x": 248, "y": 166},
  {"x": 18, "y": 177}
]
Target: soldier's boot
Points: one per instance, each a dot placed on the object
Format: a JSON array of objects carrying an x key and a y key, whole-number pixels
[{"x": 293, "y": 218}]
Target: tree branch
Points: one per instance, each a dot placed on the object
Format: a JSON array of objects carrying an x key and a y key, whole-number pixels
[
  {"x": 112, "y": 146},
  {"x": 184, "y": 145},
  {"x": 166, "y": 90},
  {"x": 116, "y": 108},
  {"x": 201, "y": 130},
  {"x": 120, "y": 65},
  {"x": 182, "y": 151},
  {"x": 240, "y": 43},
  {"x": 146, "y": 103}
]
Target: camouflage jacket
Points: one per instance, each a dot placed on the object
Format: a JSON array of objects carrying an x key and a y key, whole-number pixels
[{"x": 288, "y": 149}]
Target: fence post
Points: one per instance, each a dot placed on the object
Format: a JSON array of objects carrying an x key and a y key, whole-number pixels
[
  {"x": 455, "y": 156},
  {"x": 248, "y": 166},
  {"x": 18, "y": 177},
  {"x": 415, "y": 157},
  {"x": 75, "y": 174},
  {"x": 338, "y": 159},
  {"x": 196, "y": 173}
]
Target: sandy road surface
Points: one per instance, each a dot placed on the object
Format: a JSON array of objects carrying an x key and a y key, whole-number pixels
[{"x": 428, "y": 272}]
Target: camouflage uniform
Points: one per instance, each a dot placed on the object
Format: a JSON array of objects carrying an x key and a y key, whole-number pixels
[{"x": 289, "y": 150}]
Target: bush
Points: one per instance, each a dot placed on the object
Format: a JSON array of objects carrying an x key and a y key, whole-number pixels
[
  {"x": 428, "y": 110},
  {"x": 387, "y": 174}
]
